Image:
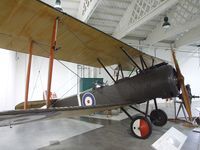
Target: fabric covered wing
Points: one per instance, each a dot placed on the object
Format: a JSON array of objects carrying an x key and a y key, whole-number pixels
[
  {"x": 14, "y": 117},
  {"x": 24, "y": 20}
]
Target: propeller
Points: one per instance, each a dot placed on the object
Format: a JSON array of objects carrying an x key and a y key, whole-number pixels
[
  {"x": 185, "y": 95},
  {"x": 195, "y": 45},
  {"x": 31, "y": 104}
]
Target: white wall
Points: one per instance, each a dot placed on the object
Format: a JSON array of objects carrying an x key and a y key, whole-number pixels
[
  {"x": 62, "y": 78},
  {"x": 7, "y": 79},
  {"x": 62, "y": 81},
  {"x": 189, "y": 64},
  {"x": 13, "y": 76},
  {"x": 190, "y": 67}
]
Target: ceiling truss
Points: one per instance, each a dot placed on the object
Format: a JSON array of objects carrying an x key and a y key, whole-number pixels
[
  {"x": 139, "y": 12},
  {"x": 182, "y": 19}
]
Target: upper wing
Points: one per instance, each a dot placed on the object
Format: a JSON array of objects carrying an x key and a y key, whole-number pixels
[{"x": 25, "y": 20}]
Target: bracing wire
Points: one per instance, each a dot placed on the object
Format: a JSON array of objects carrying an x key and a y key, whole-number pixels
[
  {"x": 68, "y": 90},
  {"x": 199, "y": 55},
  {"x": 58, "y": 89},
  {"x": 41, "y": 82},
  {"x": 35, "y": 84},
  {"x": 38, "y": 77},
  {"x": 68, "y": 68},
  {"x": 39, "y": 44}
]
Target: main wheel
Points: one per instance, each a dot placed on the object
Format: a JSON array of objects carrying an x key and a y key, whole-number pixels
[
  {"x": 158, "y": 117},
  {"x": 141, "y": 127}
]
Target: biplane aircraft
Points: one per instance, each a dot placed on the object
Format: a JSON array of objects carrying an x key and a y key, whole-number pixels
[{"x": 36, "y": 28}]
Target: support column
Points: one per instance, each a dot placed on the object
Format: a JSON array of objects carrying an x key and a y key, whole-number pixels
[
  {"x": 28, "y": 76},
  {"x": 51, "y": 59}
]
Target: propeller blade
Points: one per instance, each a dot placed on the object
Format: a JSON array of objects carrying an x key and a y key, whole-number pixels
[
  {"x": 185, "y": 95},
  {"x": 31, "y": 104}
]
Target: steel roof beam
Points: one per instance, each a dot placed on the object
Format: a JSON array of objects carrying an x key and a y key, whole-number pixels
[
  {"x": 183, "y": 18},
  {"x": 86, "y": 9},
  {"x": 139, "y": 13},
  {"x": 189, "y": 37},
  {"x": 159, "y": 34}
]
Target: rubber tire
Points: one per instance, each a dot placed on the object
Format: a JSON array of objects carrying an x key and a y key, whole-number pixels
[
  {"x": 158, "y": 117},
  {"x": 135, "y": 118}
]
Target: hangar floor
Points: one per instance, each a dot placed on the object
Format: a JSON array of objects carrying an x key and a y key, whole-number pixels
[
  {"x": 89, "y": 133},
  {"x": 116, "y": 136}
]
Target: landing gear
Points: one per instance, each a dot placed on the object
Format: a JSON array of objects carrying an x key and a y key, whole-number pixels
[
  {"x": 141, "y": 127},
  {"x": 158, "y": 117}
]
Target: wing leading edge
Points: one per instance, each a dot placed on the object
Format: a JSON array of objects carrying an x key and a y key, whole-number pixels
[
  {"x": 14, "y": 117},
  {"x": 24, "y": 21}
]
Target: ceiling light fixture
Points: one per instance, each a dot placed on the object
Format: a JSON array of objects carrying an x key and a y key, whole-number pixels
[
  {"x": 166, "y": 24},
  {"x": 58, "y": 5}
]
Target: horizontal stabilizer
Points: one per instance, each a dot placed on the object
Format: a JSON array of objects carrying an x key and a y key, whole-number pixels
[{"x": 31, "y": 104}]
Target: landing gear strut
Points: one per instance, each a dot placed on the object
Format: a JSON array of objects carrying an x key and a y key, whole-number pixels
[
  {"x": 158, "y": 117},
  {"x": 141, "y": 126}
]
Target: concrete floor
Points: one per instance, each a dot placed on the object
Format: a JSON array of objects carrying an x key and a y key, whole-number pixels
[
  {"x": 37, "y": 134},
  {"x": 89, "y": 133},
  {"x": 115, "y": 135}
]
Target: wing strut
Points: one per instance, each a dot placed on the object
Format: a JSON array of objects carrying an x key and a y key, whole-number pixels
[
  {"x": 131, "y": 72},
  {"x": 106, "y": 69},
  {"x": 131, "y": 59},
  {"x": 143, "y": 63},
  {"x": 28, "y": 76},
  {"x": 119, "y": 70},
  {"x": 153, "y": 61},
  {"x": 120, "y": 67},
  {"x": 51, "y": 59}
]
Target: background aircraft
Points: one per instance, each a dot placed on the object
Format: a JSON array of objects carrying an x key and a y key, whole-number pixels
[{"x": 28, "y": 25}]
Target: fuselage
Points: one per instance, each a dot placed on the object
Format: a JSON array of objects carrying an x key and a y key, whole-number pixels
[{"x": 157, "y": 82}]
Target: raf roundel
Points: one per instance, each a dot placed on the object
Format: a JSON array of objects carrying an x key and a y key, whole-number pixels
[{"x": 88, "y": 99}]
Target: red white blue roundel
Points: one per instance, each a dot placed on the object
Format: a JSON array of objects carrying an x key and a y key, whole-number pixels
[{"x": 88, "y": 99}]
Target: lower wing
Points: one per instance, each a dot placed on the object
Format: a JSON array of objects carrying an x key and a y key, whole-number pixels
[{"x": 14, "y": 117}]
